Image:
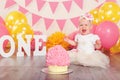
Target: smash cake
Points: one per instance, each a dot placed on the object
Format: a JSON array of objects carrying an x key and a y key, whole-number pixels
[{"x": 57, "y": 59}]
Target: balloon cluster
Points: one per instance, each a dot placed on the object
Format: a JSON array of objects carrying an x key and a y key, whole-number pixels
[
  {"x": 116, "y": 47},
  {"x": 106, "y": 18},
  {"x": 16, "y": 23},
  {"x": 3, "y": 30},
  {"x": 108, "y": 33},
  {"x": 109, "y": 11}
]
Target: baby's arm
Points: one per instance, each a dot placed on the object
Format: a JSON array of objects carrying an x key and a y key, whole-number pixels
[
  {"x": 71, "y": 42},
  {"x": 98, "y": 44}
]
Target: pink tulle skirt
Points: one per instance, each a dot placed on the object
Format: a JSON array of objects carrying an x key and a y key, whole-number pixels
[{"x": 96, "y": 58}]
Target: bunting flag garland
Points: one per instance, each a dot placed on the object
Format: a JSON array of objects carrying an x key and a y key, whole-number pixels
[
  {"x": 61, "y": 23},
  {"x": 53, "y": 6},
  {"x": 48, "y": 22},
  {"x": 79, "y": 3},
  {"x": 99, "y": 6},
  {"x": 40, "y": 4},
  {"x": 75, "y": 21},
  {"x": 111, "y": 1},
  {"x": 23, "y": 10},
  {"x": 97, "y": 0},
  {"x": 35, "y": 19},
  {"x": 27, "y": 2},
  {"x": 9, "y": 3},
  {"x": 67, "y": 5}
]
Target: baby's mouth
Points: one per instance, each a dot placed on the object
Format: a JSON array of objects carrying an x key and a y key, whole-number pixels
[{"x": 84, "y": 30}]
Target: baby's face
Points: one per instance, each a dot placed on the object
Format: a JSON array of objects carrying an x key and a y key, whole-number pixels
[{"x": 84, "y": 26}]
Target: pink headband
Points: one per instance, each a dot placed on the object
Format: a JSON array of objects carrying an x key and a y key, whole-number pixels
[{"x": 87, "y": 16}]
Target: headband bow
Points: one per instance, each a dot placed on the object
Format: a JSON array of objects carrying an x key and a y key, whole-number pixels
[{"x": 87, "y": 16}]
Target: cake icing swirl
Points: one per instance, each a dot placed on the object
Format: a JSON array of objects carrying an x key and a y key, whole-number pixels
[{"x": 58, "y": 56}]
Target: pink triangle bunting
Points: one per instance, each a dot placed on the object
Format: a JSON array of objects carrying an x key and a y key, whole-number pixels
[
  {"x": 67, "y": 5},
  {"x": 111, "y": 1},
  {"x": 23, "y": 10},
  {"x": 100, "y": 5},
  {"x": 27, "y": 2},
  {"x": 40, "y": 4},
  {"x": 97, "y": 0},
  {"x": 75, "y": 21},
  {"x": 9, "y": 3},
  {"x": 48, "y": 22},
  {"x": 79, "y": 3},
  {"x": 53, "y": 6},
  {"x": 61, "y": 23},
  {"x": 35, "y": 19}
]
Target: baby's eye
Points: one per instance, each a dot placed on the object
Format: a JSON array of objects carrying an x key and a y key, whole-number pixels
[
  {"x": 81, "y": 25},
  {"x": 86, "y": 24}
]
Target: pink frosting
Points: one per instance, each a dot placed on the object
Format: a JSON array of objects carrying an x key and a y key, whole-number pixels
[{"x": 57, "y": 55}]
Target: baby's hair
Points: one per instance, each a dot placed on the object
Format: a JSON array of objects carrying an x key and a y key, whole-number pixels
[{"x": 86, "y": 16}]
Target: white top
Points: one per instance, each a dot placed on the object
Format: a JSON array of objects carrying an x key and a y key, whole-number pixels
[{"x": 86, "y": 42}]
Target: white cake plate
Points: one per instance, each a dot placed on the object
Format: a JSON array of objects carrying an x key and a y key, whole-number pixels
[{"x": 45, "y": 70}]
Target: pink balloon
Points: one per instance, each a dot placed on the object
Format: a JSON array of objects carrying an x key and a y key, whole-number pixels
[
  {"x": 3, "y": 31},
  {"x": 108, "y": 33},
  {"x": 72, "y": 35},
  {"x": 93, "y": 29},
  {"x": 1, "y": 20}
]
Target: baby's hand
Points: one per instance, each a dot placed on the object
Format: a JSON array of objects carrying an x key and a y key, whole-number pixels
[
  {"x": 98, "y": 44},
  {"x": 72, "y": 42},
  {"x": 66, "y": 39}
]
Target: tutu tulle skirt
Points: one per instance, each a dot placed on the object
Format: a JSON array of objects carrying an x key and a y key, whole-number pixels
[{"x": 96, "y": 58}]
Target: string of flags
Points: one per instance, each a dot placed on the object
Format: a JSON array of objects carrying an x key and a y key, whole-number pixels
[{"x": 53, "y": 5}]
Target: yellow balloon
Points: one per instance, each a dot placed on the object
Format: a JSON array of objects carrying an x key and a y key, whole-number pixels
[
  {"x": 23, "y": 29},
  {"x": 109, "y": 11},
  {"x": 13, "y": 18},
  {"x": 94, "y": 12},
  {"x": 115, "y": 48}
]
